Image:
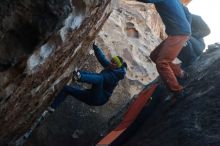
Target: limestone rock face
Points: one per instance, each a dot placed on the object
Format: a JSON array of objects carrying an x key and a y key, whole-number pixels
[
  {"x": 132, "y": 31},
  {"x": 40, "y": 43}
]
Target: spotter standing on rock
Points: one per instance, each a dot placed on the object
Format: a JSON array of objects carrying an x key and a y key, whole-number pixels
[
  {"x": 178, "y": 30},
  {"x": 103, "y": 83}
]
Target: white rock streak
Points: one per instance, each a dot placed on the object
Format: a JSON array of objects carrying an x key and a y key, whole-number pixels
[
  {"x": 39, "y": 57},
  {"x": 72, "y": 22}
]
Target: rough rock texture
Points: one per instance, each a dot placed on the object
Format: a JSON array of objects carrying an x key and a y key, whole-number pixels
[
  {"x": 132, "y": 31},
  {"x": 38, "y": 28},
  {"x": 24, "y": 24},
  {"x": 194, "y": 121}
]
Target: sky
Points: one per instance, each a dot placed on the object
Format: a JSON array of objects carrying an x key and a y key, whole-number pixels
[{"x": 209, "y": 10}]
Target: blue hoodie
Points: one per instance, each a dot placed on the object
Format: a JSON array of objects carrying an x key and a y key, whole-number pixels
[
  {"x": 111, "y": 76},
  {"x": 173, "y": 16}
]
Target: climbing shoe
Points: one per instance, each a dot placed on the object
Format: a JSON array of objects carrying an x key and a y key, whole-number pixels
[
  {"x": 182, "y": 80},
  {"x": 76, "y": 75},
  {"x": 50, "y": 109},
  {"x": 178, "y": 96},
  {"x": 175, "y": 97}
]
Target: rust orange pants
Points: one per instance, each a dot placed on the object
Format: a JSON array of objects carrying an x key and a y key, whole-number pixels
[{"x": 163, "y": 55}]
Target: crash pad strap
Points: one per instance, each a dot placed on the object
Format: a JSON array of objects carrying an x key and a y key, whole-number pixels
[{"x": 130, "y": 116}]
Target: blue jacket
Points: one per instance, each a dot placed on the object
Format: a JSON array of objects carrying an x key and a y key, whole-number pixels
[
  {"x": 111, "y": 76},
  {"x": 173, "y": 16}
]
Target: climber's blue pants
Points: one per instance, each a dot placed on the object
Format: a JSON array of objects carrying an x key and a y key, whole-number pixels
[{"x": 94, "y": 96}]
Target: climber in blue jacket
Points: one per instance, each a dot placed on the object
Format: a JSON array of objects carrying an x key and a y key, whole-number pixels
[{"x": 103, "y": 83}]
